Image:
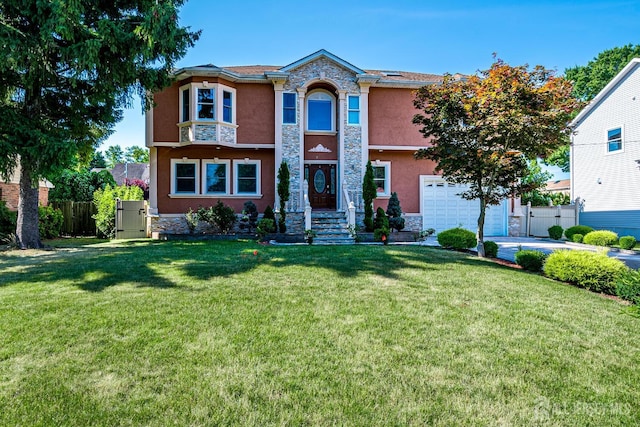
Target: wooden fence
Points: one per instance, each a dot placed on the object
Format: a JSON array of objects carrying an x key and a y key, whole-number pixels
[{"x": 78, "y": 218}]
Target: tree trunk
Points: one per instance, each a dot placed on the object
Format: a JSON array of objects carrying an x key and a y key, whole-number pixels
[
  {"x": 27, "y": 232},
  {"x": 480, "y": 232}
]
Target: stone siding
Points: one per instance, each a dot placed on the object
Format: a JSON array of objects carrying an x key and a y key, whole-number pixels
[
  {"x": 178, "y": 225},
  {"x": 184, "y": 133},
  {"x": 515, "y": 223},
  {"x": 322, "y": 69},
  {"x": 205, "y": 132},
  {"x": 291, "y": 154},
  {"x": 227, "y": 134}
]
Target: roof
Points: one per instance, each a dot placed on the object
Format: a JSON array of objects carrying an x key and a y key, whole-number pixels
[
  {"x": 122, "y": 171},
  {"x": 610, "y": 87},
  {"x": 558, "y": 185},
  {"x": 258, "y": 72}
]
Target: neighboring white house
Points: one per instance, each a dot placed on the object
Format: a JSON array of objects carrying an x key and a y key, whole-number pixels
[{"x": 605, "y": 156}]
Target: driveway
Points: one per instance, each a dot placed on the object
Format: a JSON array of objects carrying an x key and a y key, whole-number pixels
[{"x": 508, "y": 246}]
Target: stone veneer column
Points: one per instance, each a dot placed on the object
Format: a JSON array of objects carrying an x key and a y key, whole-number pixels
[
  {"x": 302, "y": 92},
  {"x": 342, "y": 96}
]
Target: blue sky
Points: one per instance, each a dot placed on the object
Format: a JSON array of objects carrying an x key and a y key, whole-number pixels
[{"x": 408, "y": 35}]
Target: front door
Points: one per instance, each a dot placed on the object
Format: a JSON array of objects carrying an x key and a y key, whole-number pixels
[{"x": 322, "y": 185}]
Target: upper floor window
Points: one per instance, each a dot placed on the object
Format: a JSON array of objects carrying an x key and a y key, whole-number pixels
[
  {"x": 382, "y": 177},
  {"x": 227, "y": 107},
  {"x": 614, "y": 140},
  {"x": 320, "y": 111},
  {"x": 289, "y": 108},
  {"x": 353, "y": 116},
  {"x": 205, "y": 104}
]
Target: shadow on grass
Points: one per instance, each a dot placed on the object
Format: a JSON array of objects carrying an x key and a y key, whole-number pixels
[{"x": 146, "y": 263}]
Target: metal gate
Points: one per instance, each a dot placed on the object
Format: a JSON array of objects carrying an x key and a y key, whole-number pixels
[
  {"x": 543, "y": 217},
  {"x": 131, "y": 219}
]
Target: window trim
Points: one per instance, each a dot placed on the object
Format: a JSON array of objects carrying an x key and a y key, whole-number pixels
[
  {"x": 174, "y": 163},
  {"x": 206, "y": 162},
  {"x": 218, "y": 107},
  {"x": 239, "y": 162},
  {"x": 333, "y": 111},
  {"x": 228, "y": 108},
  {"x": 353, "y": 110},
  {"x": 294, "y": 108},
  {"x": 608, "y": 141},
  {"x": 387, "y": 176}
]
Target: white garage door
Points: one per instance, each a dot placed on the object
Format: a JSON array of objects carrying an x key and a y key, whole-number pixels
[{"x": 443, "y": 209}]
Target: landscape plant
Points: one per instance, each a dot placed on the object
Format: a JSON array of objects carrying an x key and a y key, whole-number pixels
[
  {"x": 283, "y": 195},
  {"x": 577, "y": 229},
  {"x": 191, "y": 218},
  {"x": 555, "y": 232},
  {"x": 394, "y": 213},
  {"x": 530, "y": 260},
  {"x": 483, "y": 129},
  {"x": 457, "y": 238},
  {"x": 491, "y": 249},
  {"x": 600, "y": 238},
  {"x": 105, "y": 201},
  {"x": 591, "y": 270},
  {"x": 628, "y": 286},
  {"x": 627, "y": 242},
  {"x": 577, "y": 238},
  {"x": 369, "y": 193},
  {"x": 49, "y": 222},
  {"x": 7, "y": 220},
  {"x": 265, "y": 226},
  {"x": 220, "y": 216},
  {"x": 249, "y": 217}
]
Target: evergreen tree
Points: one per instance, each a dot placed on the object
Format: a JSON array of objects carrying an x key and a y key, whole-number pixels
[
  {"x": 283, "y": 193},
  {"x": 369, "y": 192},
  {"x": 394, "y": 212},
  {"x": 67, "y": 71}
]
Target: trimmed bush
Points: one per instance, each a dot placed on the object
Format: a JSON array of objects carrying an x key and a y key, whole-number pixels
[
  {"x": 530, "y": 260},
  {"x": 7, "y": 220},
  {"x": 49, "y": 222},
  {"x": 577, "y": 238},
  {"x": 457, "y": 238},
  {"x": 591, "y": 270},
  {"x": 265, "y": 226},
  {"x": 220, "y": 215},
  {"x": 577, "y": 229},
  {"x": 394, "y": 212},
  {"x": 555, "y": 232},
  {"x": 628, "y": 286},
  {"x": 491, "y": 249},
  {"x": 627, "y": 242},
  {"x": 600, "y": 238}
]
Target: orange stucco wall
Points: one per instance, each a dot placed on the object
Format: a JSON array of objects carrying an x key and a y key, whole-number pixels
[
  {"x": 328, "y": 141},
  {"x": 391, "y": 113},
  {"x": 166, "y": 114},
  {"x": 255, "y": 109},
  {"x": 405, "y": 177},
  {"x": 181, "y": 205}
]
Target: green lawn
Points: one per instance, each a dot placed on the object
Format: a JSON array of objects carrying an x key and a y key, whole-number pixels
[{"x": 204, "y": 333}]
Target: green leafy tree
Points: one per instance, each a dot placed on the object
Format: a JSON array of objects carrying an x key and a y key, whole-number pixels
[
  {"x": 136, "y": 154},
  {"x": 97, "y": 160},
  {"x": 79, "y": 186},
  {"x": 283, "y": 194},
  {"x": 105, "y": 201},
  {"x": 67, "y": 71},
  {"x": 483, "y": 129},
  {"x": 369, "y": 193},
  {"x": 394, "y": 212},
  {"x": 532, "y": 182},
  {"x": 114, "y": 155}
]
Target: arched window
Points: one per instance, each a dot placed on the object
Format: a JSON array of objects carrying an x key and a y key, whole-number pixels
[{"x": 320, "y": 111}]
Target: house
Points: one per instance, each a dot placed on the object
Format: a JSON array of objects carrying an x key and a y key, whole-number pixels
[
  {"x": 605, "y": 155},
  {"x": 122, "y": 172},
  {"x": 10, "y": 190},
  {"x": 221, "y": 133},
  {"x": 558, "y": 186}
]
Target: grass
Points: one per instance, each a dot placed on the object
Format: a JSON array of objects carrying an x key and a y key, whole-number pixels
[{"x": 225, "y": 333}]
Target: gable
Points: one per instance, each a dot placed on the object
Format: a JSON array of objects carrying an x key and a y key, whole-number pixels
[{"x": 326, "y": 55}]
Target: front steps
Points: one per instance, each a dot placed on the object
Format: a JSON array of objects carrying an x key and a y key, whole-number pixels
[{"x": 331, "y": 228}]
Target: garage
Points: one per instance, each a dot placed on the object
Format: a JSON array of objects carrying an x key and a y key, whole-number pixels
[{"x": 443, "y": 209}]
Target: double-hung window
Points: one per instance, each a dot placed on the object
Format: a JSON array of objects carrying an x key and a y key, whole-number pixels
[
  {"x": 186, "y": 101},
  {"x": 215, "y": 176},
  {"x": 227, "y": 107},
  {"x": 247, "y": 176},
  {"x": 614, "y": 140},
  {"x": 382, "y": 177},
  {"x": 206, "y": 104},
  {"x": 353, "y": 104},
  {"x": 185, "y": 176},
  {"x": 289, "y": 108}
]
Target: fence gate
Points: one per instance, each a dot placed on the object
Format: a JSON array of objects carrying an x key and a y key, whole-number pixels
[
  {"x": 543, "y": 217},
  {"x": 131, "y": 219}
]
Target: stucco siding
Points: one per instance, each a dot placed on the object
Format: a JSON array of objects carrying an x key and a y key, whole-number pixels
[{"x": 609, "y": 181}]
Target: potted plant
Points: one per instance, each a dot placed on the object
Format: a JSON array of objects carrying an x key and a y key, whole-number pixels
[{"x": 309, "y": 235}]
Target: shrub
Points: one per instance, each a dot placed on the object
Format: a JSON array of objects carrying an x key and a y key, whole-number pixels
[
  {"x": 628, "y": 286},
  {"x": 7, "y": 220},
  {"x": 381, "y": 235},
  {"x": 491, "y": 249},
  {"x": 394, "y": 212},
  {"x": 369, "y": 192},
  {"x": 105, "y": 201},
  {"x": 600, "y": 238},
  {"x": 530, "y": 260},
  {"x": 555, "y": 232},
  {"x": 627, "y": 242},
  {"x": 268, "y": 214},
  {"x": 265, "y": 226},
  {"x": 591, "y": 270},
  {"x": 249, "y": 216},
  {"x": 192, "y": 220},
  {"x": 577, "y": 238},
  {"x": 381, "y": 220},
  {"x": 457, "y": 238},
  {"x": 49, "y": 222},
  {"x": 577, "y": 229},
  {"x": 220, "y": 216},
  {"x": 283, "y": 194}
]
